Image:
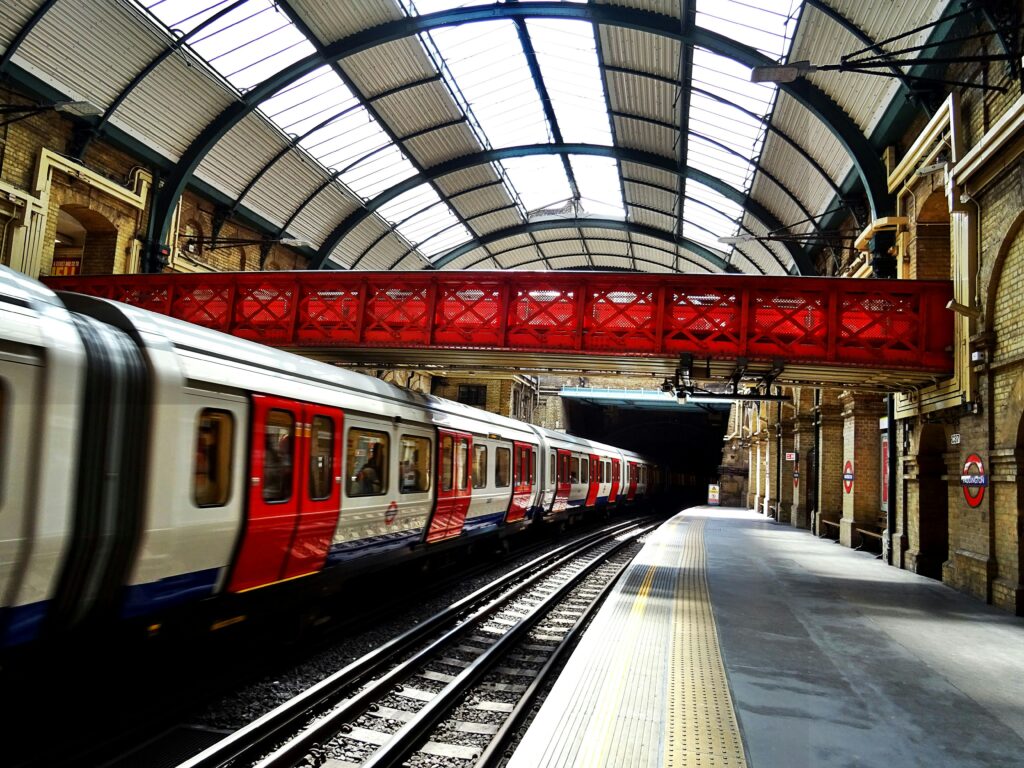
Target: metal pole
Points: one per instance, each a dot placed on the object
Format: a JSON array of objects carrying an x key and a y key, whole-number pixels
[
  {"x": 817, "y": 460},
  {"x": 778, "y": 461}
]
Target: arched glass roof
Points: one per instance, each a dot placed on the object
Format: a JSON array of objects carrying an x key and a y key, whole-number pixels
[{"x": 416, "y": 134}]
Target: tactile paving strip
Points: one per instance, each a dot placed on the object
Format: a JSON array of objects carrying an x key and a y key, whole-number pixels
[{"x": 702, "y": 731}]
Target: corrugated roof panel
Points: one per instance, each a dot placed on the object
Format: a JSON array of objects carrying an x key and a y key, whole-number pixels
[
  {"x": 651, "y": 175},
  {"x": 411, "y": 262},
  {"x": 652, "y": 219},
  {"x": 772, "y": 257},
  {"x": 642, "y": 51},
  {"x": 606, "y": 261},
  {"x": 795, "y": 121},
  {"x": 482, "y": 200},
  {"x": 607, "y": 234},
  {"x": 359, "y": 239},
  {"x": 82, "y": 46},
  {"x": 548, "y": 235},
  {"x": 605, "y": 245},
  {"x": 567, "y": 246},
  {"x": 444, "y": 144},
  {"x": 517, "y": 257},
  {"x": 460, "y": 181},
  {"x": 651, "y": 197},
  {"x": 385, "y": 254},
  {"x": 13, "y": 15},
  {"x": 333, "y": 21},
  {"x": 238, "y": 157},
  {"x": 418, "y": 108},
  {"x": 569, "y": 262},
  {"x": 144, "y": 113},
  {"x": 492, "y": 222},
  {"x": 650, "y": 138},
  {"x": 318, "y": 219},
  {"x": 768, "y": 193},
  {"x": 279, "y": 193},
  {"x": 389, "y": 66},
  {"x": 664, "y": 7},
  {"x": 806, "y": 183},
  {"x": 643, "y": 96}
]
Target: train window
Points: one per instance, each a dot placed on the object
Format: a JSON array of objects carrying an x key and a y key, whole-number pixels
[
  {"x": 502, "y": 467},
  {"x": 585, "y": 471},
  {"x": 551, "y": 471},
  {"x": 321, "y": 458},
  {"x": 447, "y": 456},
  {"x": 574, "y": 469},
  {"x": 479, "y": 466},
  {"x": 368, "y": 462},
  {"x": 414, "y": 463},
  {"x": 462, "y": 464},
  {"x": 278, "y": 455},
  {"x": 211, "y": 475}
]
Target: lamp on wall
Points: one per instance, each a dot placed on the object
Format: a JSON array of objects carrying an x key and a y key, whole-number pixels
[
  {"x": 232, "y": 242},
  {"x": 23, "y": 111},
  {"x": 974, "y": 313}
]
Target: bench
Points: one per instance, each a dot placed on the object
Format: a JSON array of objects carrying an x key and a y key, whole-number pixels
[
  {"x": 869, "y": 535},
  {"x": 828, "y": 528}
]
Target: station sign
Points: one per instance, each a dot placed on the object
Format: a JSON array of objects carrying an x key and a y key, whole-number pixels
[
  {"x": 974, "y": 480},
  {"x": 790, "y": 455},
  {"x": 848, "y": 476}
]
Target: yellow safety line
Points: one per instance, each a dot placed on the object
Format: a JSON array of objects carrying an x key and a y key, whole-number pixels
[
  {"x": 702, "y": 728},
  {"x": 599, "y": 731}
]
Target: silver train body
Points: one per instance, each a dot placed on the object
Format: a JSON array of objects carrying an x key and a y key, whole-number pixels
[{"x": 148, "y": 466}]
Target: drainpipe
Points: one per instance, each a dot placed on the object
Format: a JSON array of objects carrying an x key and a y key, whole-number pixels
[
  {"x": 816, "y": 496},
  {"x": 890, "y": 511}
]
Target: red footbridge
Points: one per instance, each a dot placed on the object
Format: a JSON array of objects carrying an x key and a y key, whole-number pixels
[{"x": 873, "y": 334}]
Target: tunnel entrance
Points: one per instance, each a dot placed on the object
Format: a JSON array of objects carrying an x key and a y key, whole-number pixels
[{"x": 933, "y": 503}]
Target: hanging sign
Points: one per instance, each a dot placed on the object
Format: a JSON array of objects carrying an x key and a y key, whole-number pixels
[
  {"x": 848, "y": 476},
  {"x": 790, "y": 455},
  {"x": 974, "y": 480}
]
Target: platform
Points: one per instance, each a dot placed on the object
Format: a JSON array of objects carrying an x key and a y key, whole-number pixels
[{"x": 816, "y": 656}]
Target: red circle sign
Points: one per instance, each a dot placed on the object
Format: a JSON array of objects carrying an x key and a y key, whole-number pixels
[
  {"x": 848, "y": 476},
  {"x": 391, "y": 514},
  {"x": 974, "y": 480}
]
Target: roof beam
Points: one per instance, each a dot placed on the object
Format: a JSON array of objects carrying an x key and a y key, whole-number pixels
[
  {"x": 866, "y": 160},
  {"x": 687, "y": 22},
  {"x": 714, "y": 258},
  {"x": 496, "y": 155}
]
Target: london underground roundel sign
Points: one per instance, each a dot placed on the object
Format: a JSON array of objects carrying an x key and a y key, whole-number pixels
[
  {"x": 974, "y": 480},
  {"x": 848, "y": 476}
]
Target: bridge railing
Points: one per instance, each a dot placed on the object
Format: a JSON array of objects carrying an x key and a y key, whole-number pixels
[{"x": 828, "y": 321}]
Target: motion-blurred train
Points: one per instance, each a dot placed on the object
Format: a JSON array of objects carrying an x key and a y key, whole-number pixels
[{"x": 149, "y": 465}]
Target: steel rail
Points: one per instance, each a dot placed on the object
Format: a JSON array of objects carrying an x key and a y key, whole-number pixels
[{"x": 253, "y": 739}]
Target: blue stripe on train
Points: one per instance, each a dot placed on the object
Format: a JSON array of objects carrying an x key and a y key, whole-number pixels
[
  {"x": 157, "y": 596},
  {"x": 475, "y": 524},
  {"x": 21, "y": 623}
]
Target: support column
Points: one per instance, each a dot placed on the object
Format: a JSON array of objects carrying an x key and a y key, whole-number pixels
[
  {"x": 803, "y": 444},
  {"x": 1007, "y": 588},
  {"x": 862, "y": 470},
  {"x": 830, "y": 464},
  {"x": 784, "y": 474},
  {"x": 751, "y": 474}
]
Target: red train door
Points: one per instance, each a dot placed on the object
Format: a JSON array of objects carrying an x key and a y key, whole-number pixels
[
  {"x": 631, "y": 488},
  {"x": 294, "y": 494},
  {"x": 593, "y": 482},
  {"x": 616, "y": 479},
  {"x": 562, "y": 484},
  {"x": 319, "y": 490},
  {"x": 522, "y": 481},
  {"x": 453, "y": 487}
]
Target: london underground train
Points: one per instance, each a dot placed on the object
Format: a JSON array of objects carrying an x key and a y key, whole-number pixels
[{"x": 149, "y": 466}]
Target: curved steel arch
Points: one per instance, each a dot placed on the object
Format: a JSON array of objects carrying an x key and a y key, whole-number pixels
[
  {"x": 494, "y": 155},
  {"x": 866, "y": 161},
  {"x": 671, "y": 252},
  {"x": 716, "y": 259},
  {"x": 639, "y": 259}
]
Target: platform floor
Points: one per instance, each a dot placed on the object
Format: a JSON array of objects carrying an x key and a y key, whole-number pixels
[{"x": 832, "y": 659}]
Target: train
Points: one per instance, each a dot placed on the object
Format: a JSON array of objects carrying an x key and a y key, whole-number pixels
[{"x": 149, "y": 466}]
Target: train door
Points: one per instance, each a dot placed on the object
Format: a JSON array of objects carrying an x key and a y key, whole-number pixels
[
  {"x": 290, "y": 521},
  {"x": 562, "y": 484},
  {"x": 616, "y": 481},
  {"x": 632, "y": 480},
  {"x": 522, "y": 481},
  {"x": 595, "y": 480},
  {"x": 319, "y": 490},
  {"x": 453, "y": 488}
]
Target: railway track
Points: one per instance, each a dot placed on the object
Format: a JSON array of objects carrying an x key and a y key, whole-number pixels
[{"x": 450, "y": 691}]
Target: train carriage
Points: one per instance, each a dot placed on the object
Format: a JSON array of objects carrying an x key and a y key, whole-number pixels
[{"x": 172, "y": 464}]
